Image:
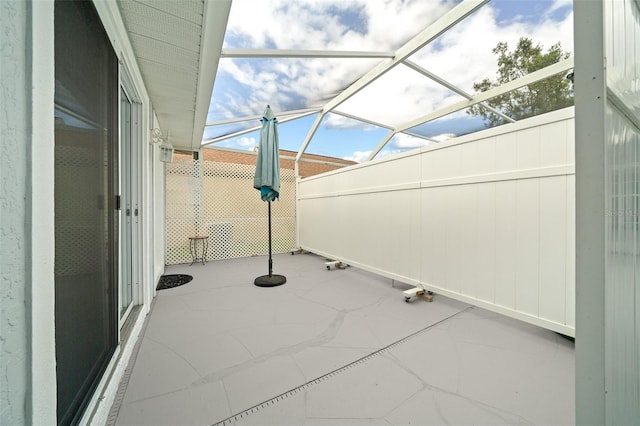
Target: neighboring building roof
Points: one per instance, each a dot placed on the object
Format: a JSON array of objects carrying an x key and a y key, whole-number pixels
[
  {"x": 177, "y": 47},
  {"x": 310, "y": 164}
]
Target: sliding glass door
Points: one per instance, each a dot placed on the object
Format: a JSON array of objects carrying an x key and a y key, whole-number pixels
[{"x": 86, "y": 223}]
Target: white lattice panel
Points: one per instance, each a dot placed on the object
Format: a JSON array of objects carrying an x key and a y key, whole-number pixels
[{"x": 217, "y": 199}]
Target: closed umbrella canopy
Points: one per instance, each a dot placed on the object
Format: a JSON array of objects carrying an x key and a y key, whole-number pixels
[{"x": 267, "y": 178}]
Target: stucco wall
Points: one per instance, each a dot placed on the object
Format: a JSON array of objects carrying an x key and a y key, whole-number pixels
[{"x": 13, "y": 250}]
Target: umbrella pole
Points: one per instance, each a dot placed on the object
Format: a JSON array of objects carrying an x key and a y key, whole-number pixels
[
  {"x": 270, "y": 280},
  {"x": 270, "y": 259}
]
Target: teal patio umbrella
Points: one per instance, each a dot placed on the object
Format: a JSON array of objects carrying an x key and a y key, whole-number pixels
[{"x": 267, "y": 181}]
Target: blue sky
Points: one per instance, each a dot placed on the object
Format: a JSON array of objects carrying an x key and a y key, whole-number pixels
[{"x": 461, "y": 56}]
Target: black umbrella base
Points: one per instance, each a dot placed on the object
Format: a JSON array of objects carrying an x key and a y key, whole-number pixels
[{"x": 270, "y": 280}]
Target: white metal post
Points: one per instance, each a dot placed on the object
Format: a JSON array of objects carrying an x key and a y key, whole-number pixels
[{"x": 590, "y": 101}]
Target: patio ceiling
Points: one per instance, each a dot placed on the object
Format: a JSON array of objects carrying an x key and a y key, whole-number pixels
[
  {"x": 383, "y": 68},
  {"x": 177, "y": 46}
]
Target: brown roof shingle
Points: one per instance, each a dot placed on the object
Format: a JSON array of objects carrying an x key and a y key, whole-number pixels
[{"x": 311, "y": 164}]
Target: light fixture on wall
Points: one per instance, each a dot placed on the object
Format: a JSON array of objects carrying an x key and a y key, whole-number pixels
[
  {"x": 166, "y": 148},
  {"x": 166, "y": 152}
]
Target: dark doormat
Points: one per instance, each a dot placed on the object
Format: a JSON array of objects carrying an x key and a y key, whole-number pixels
[{"x": 170, "y": 281}]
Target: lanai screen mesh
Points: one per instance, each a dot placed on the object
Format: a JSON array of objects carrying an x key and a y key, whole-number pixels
[{"x": 217, "y": 199}]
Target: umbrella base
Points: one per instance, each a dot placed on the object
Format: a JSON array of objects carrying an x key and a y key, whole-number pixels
[{"x": 270, "y": 281}]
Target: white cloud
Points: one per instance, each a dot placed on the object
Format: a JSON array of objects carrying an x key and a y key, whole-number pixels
[
  {"x": 321, "y": 24},
  {"x": 462, "y": 56},
  {"x": 400, "y": 143},
  {"x": 398, "y": 96},
  {"x": 558, "y": 5},
  {"x": 444, "y": 137},
  {"x": 246, "y": 143},
  {"x": 337, "y": 121},
  {"x": 404, "y": 142},
  {"x": 358, "y": 156},
  {"x": 312, "y": 24}
]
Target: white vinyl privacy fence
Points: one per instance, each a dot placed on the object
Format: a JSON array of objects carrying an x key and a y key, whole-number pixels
[
  {"x": 217, "y": 199},
  {"x": 486, "y": 218}
]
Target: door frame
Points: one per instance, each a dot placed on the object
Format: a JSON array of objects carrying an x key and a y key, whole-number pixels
[{"x": 128, "y": 159}]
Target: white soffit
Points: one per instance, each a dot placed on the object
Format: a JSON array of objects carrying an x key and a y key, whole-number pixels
[{"x": 177, "y": 46}]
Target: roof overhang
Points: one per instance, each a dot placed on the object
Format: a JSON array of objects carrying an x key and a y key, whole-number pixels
[{"x": 177, "y": 46}]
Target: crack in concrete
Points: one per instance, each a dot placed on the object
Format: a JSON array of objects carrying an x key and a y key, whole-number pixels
[
  {"x": 504, "y": 415},
  {"x": 326, "y": 336},
  {"x": 304, "y": 386}
]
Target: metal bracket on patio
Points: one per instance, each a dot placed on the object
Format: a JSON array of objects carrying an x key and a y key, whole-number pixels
[
  {"x": 336, "y": 264},
  {"x": 420, "y": 292}
]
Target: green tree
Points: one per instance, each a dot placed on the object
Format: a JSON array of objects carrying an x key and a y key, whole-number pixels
[{"x": 536, "y": 98}]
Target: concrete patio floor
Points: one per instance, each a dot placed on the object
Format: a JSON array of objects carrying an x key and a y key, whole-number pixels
[{"x": 337, "y": 347}]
